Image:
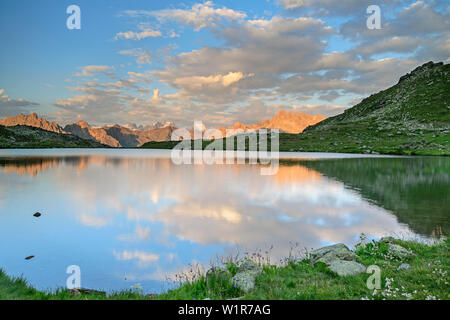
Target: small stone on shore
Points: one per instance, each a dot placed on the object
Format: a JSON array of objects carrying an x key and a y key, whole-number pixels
[{"x": 79, "y": 291}]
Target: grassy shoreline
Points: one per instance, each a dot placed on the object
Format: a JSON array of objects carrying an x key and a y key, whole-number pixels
[
  {"x": 427, "y": 278},
  {"x": 306, "y": 142}
]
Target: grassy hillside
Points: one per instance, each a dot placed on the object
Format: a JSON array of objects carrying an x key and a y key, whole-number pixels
[
  {"x": 23, "y": 137},
  {"x": 412, "y": 117}
]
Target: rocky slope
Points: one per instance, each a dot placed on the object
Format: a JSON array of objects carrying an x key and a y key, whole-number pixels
[
  {"x": 31, "y": 120},
  {"x": 28, "y": 137},
  {"x": 115, "y": 136},
  {"x": 131, "y": 135},
  {"x": 285, "y": 121},
  {"x": 118, "y": 136},
  {"x": 156, "y": 135},
  {"x": 83, "y": 130}
]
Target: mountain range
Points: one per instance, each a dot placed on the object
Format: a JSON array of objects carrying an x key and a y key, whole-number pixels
[
  {"x": 28, "y": 137},
  {"x": 110, "y": 135},
  {"x": 410, "y": 118},
  {"x": 287, "y": 122},
  {"x": 131, "y": 135}
]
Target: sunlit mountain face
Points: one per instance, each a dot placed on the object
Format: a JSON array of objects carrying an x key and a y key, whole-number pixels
[
  {"x": 135, "y": 217},
  {"x": 130, "y": 135}
]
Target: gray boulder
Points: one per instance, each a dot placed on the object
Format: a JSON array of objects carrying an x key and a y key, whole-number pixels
[
  {"x": 249, "y": 265},
  {"x": 346, "y": 268},
  {"x": 398, "y": 251},
  {"x": 245, "y": 280},
  {"x": 331, "y": 253},
  {"x": 246, "y": 274},
  {"x": 339, "y": 258}
]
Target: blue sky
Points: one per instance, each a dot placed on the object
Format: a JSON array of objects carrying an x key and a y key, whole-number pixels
[{"x": 222, "y": 61}]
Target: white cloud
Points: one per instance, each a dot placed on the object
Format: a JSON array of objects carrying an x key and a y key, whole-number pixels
[
  {"x": 264, "y": 64},
  {"x": 199, "y": 16},
  {"x": 143, "y": 258},
  {"x": 91, "y": 70},
  {"x": 95, "y": 104},
  {"x": 130, "y": 35},
  {"x": 199, "y": 81},
  {"x": 334, "y": 7},
  {"x": 258, "y": 53},
  {"x": 142, "y": 56},
  {"x": 10, "y": 106},
  {"x": 395, "y": 44},
  {"x": 93, "y": 221},
  {"x": 156, "y": 97}
]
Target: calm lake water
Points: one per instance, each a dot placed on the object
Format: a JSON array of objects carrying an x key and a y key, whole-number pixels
[{"x": 131, "y": 217}]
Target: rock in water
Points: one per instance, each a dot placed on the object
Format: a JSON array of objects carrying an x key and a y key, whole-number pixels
[
  {"x": 29, "y": 257},
  {"x": 37, "y": 215}
]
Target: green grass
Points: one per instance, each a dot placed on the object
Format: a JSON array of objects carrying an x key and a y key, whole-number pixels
[
  {"x": 299, "y": 280},
  {"x": 410, "y": 118},
  {"x": 427, "y": 278},
  {"x": 23, "y": 137},
  {"x": 424, "y": 143},
  {"x": 18, "y": 289}
]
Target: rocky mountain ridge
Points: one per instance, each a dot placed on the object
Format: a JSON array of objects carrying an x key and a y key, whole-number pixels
[
  {"x": 31, "y": 120},
  {"x": 115, "y": 136},
  {"x": 287, "y": 122},
  {"x": 131, "y": 135}
]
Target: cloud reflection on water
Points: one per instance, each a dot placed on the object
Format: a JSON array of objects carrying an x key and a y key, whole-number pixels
[{"x": 157, "y": 215}]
